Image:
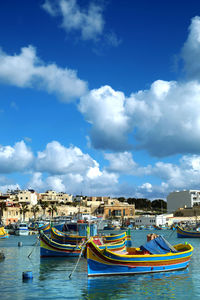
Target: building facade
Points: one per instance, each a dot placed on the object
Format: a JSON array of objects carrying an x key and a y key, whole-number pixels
[
  {"x": 182, "y": 199},
  {"x": 27, "y": 196},
  {"x": 52, "y": 197},
  {"x": 152, "y": 220},
  {"x": 117, "y": 209}
]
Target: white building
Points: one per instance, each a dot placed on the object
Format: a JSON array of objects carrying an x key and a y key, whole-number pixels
[
  {"x": 151, "y": 220},
  {"x": 27, "y": 196},
  {"x": 182, "y": 199}
]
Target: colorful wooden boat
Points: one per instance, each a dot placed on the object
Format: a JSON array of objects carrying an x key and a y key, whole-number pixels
[
  {"x": 37, "y": 226},
  {"x": 114, "y": 238},
  {"x": 49, "y": 247},
  {"x": 46, "y": 228},
  {"x": 62, "y": 237},
  {"x": 3, "y": 233},
  {"x": 182, "y": 233},
  {"x": 74, "y": 239},
  {"x": 155, "y": 256}
]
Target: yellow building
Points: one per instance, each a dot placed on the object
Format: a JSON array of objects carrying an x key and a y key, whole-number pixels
[
  {"x": 54, "y": 197},
  {"x": 117, "y": 209}
]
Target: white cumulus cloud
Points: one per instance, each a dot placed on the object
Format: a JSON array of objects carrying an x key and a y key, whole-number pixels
[
  {"x": 15, "y": 159},
  {"x": 123, "y": 163},
  {"x": 89, "y": 23},
  {"x": 104, "y": 108},
  {"x": 164, "y": 119},
  {"x": 191, "y": 50},
  {"x": 57, "y": 159},
  {"x": 27, "y": 70}
]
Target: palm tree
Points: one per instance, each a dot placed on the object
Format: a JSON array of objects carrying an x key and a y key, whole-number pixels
[
  {"x": 23, "y": 210},
  {"x": 44, "y": 205},
  {"x": 2, "y": 209},
  {"x": 35, "y": 209},
  {"x": 52, "y": 209}
]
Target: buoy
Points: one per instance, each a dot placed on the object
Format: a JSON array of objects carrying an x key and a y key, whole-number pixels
[
  {"x": 27, "y": 275},
  {"x": 19, "y": 244}
]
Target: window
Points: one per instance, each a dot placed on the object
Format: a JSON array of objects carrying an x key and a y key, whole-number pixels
[{"x": 117, "y": 213}]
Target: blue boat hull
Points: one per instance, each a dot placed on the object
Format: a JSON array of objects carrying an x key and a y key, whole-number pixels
[
  {"x": 181, "y": 233},
  {"x": 98, "y": 269},
  {"x": 50, "y": 253}
]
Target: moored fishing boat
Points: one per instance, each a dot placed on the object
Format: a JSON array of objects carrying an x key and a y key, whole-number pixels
[
  {"x": 113, "y": 238},
  {"x": 155, "y": 256},
  {"x": 37, "y": 226},
  {"x": 46, "y": 228},
  {"x": 49, "y": 247},
  {"x": 183, "y": 233},
  {"x": 63, "y": 237},
  {"x": 109, "y": 227},
  {"x": 22, "y": 229},
  {"x": 3, "y": 233}
]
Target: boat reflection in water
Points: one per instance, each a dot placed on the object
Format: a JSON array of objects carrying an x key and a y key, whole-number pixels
[
  {"x": 53, "y": 267},
  {"x": 140, "y": 286}
]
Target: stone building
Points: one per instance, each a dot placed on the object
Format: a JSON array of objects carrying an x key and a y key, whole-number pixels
[
  {"x": 27, "y": 196},
  {"x": 118, "y": 209},
  {"x": 54, "y": 197}
]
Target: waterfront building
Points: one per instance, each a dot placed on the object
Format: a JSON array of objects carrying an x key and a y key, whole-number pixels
[
  {"x": 152, "y": 220},
  {"x": 95, "y": 202},
  {"x": 11, "y": 215},
  {"x": 115, "y": 208},
  {"x": 182, "y": 199}
]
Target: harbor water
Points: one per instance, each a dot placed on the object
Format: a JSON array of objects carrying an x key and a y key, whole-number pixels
[{"x": 50, "y": 276}]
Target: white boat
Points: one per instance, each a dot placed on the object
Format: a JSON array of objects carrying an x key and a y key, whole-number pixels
[{"x": 22, "y": 229}]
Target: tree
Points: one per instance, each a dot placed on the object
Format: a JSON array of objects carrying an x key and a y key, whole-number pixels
[
  {"x": 44, "y": 205},
  {"x": 159, "y": 205},
  {"x": 35, "y": 209},
  {"x": 140, "y": 203},
  {"x": 23, "y": 210},
  {"x": 121, "y": 199},
  {"x": 52, "y": 209}
]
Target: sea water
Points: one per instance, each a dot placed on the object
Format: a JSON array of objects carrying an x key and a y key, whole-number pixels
[{"x": 51, "y": 275}]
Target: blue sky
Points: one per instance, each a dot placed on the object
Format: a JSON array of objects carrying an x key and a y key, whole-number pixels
[{"x": 100, "y": 97}]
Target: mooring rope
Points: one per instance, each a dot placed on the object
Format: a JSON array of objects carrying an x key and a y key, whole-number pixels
[
  {"x": 82, "y": 245},
  {"x": 34, "y": 247},
  {"x": 174, "y": 230}
]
